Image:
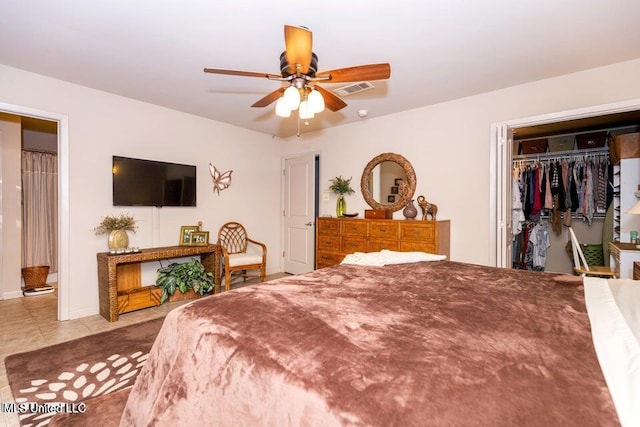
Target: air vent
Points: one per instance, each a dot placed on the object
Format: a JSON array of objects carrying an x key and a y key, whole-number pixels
[{"x": 353, "y": 88}]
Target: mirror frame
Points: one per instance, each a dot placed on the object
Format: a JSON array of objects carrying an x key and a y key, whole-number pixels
[{"x": 407, "y": 190}]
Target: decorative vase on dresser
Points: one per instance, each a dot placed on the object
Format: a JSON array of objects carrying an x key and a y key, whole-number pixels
[
  {"x": 341, "y": 206},
  {"x": 410, "y": 211},
  {"x": 118, "y": 239},
  {"x": 337, "y": 237}
]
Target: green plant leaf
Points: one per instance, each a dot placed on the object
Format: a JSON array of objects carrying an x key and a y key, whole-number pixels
[{"x": 184, "y": 276}]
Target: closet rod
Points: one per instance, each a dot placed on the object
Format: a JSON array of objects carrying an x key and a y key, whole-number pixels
[{"x": 563, "y": 154}]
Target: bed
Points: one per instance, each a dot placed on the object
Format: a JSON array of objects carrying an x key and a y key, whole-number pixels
[{"x": 437, "y": 343}]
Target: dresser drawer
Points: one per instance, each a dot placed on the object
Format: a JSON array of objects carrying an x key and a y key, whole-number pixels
[
  {"x": 354, "y": 244},
  {"x": 422, "y": 230},
  {"x": 328, "y": 242},
  {"x": 376, "y": 245},
  {"x": 327, "y": 259},
  {"x": 383, "y": 230},
  {"x": 337, "y": 237},
  {"x": 328, "y": 226},
  {"x": 354, "y": 227},
  {"x": 412, "y": 246}
]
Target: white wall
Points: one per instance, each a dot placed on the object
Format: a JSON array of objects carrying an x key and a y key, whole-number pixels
[
  {"x": 448, "y": 145},
  {"x": 11, "y": 213},
  {"x": 102, "y": 124}
]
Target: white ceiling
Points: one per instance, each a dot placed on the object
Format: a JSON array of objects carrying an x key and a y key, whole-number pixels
[{"x": 439, "y": 50}]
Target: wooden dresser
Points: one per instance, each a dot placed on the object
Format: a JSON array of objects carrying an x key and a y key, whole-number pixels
[{"x": 337, "y": 237}]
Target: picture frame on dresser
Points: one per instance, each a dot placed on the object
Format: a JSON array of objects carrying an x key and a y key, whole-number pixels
[
  {"x": 199, "y": 238},
  {"x": 185, "y": 234}
]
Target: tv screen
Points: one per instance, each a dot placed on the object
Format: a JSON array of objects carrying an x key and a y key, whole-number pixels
[{"x": 138, "y": 182}]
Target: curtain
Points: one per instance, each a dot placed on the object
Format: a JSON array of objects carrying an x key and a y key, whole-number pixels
[{"x": 40, "y": 210}]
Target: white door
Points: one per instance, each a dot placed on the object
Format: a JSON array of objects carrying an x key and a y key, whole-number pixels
[
  {"x": 504, "y": 190},
  {"x": 299, "y": 214}
]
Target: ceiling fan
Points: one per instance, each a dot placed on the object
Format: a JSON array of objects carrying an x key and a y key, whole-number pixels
[{"x": 298, "y": 68}]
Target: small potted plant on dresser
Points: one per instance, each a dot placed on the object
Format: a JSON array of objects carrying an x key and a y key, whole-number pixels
[
  {"x": 190, "y": 278},
  {"x": 116, "y": 227},
  {"x": 341, "y": 186}
]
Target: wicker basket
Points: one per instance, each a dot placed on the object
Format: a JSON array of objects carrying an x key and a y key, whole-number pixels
[{"x": 35, "y": 277}]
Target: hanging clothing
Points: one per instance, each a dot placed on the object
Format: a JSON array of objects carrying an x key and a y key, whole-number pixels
[
  {"x": 558, "y": 188},
  {"x": 517, "y": 213},
  {"x": 540, "y": 242}
]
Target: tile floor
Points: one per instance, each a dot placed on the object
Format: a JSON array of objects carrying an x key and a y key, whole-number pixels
[{"x": 31, "y": 322}]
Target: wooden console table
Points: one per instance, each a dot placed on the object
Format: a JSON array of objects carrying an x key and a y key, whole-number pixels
[{"x": 120, "y": 284}]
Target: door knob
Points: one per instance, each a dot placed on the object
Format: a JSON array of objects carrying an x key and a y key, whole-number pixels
[{"x": 309, "y": 224}]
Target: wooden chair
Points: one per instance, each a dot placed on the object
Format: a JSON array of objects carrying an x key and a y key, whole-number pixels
[
  {"x": 580, "y": 265},
  {"x": 234, "y": 242}
]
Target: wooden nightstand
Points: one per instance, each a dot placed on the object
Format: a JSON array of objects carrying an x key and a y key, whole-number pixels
[
  {"x": 622, "y": 257},
  {"x": 636, "y": 270}
]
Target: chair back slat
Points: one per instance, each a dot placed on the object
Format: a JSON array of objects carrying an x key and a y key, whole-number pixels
[
  {"x": 233, "y": 237},
  {"x": 578, "y": 255}
]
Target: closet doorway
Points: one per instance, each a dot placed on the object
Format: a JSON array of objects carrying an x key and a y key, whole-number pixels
[
  {"x": 62, "y": 207},
  {"x": 502, "y": 136}
]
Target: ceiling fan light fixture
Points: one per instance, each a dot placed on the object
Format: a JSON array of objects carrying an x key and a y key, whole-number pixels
[
  {"x": 315, "y": 101},
  {"x": 292, "y": 97},
  {"x": 282, "y": 109},
  {"x": 305, "y": 110}
]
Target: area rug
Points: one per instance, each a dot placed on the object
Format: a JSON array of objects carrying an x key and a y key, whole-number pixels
[{"x": 65, "y": 377}]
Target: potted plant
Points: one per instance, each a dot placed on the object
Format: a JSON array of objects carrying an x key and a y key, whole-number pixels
[
  {"x": 184, "y": 277},
  {"x": 117, "y": 227},
  {"x": 341, "y": 186}
]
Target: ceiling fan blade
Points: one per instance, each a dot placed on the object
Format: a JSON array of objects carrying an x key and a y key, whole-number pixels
[
  {"x": 268, "y": 99},
  {"x": 241, "y": 73},
  {"x": 358, "y": 73},
  {"x": 298, "y": 45},
  {"x": 331, "y": 101}
]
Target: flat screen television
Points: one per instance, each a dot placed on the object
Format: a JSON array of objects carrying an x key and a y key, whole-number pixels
[{"x": 139, "y": 182}]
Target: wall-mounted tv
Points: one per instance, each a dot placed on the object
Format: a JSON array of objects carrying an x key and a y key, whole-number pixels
[{"x": 139, "y": 182}]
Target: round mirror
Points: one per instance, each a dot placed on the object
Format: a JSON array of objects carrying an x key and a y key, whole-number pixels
[{"x": 388, "y": 182}]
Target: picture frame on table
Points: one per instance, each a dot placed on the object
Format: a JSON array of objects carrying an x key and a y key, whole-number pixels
[
  {"x": 185, "y": 234},
  {"x": 199, "y": 238}
]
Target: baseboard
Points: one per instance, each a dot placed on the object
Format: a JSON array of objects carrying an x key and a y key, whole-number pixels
[
  {"x": 76, "y": 314},
  {"x": 12, "y": 295}
]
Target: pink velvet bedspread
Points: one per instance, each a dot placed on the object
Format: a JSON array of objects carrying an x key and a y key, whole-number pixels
[{"x": 425, "y": 344}]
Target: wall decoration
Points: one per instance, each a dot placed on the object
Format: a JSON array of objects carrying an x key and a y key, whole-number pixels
[
  {"x": 185, "y": 234},
  {"x": 391, "y": 199},
  {"x": 394, "y": 190},
  {"x": 221, "y": 181},
  {"x": 397, "y": 182}
]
